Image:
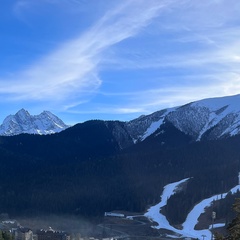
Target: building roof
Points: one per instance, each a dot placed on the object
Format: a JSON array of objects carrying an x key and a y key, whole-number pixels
[{"x": 24, "y": 229}]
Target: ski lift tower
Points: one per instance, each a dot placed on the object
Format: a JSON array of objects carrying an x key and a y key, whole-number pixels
[{"x": 213, "y": 218}]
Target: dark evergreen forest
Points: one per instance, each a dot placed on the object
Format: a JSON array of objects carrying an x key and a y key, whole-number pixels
[{"x": 83, "y": 171}]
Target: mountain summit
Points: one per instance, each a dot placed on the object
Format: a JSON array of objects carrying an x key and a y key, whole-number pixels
[
  {"x": 207, "y": 119},
  {"x": 23, "y": 122}
]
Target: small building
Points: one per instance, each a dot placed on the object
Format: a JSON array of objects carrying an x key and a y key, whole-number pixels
[
  {"x": 51, "y": 234},
  {"x": 113, "y": 214}
]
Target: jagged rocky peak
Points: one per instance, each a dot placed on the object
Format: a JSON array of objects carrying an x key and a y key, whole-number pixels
[
  {"x": 24, "y": 122},
  {"x": 22, "y": 113}
]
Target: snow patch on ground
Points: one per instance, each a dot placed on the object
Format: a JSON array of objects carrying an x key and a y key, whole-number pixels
[
  {"x": 217, "y": 225},
  {"x": 154, "y": 213},
  {"x": 153, "y": 127}
]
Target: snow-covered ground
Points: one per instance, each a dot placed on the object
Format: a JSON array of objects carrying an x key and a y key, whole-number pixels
[
  {"x": 154, "y": 213},
  {"x": 155, "y": 125}
]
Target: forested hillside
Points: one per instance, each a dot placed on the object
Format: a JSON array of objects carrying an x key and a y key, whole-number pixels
[{"x": 83, "y": 171}]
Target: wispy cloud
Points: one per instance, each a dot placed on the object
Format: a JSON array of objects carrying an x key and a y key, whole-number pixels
[
  {"x": 205, "y": 50},
  {"x": 72, "y": 70},
  {"x": 191, "y": 47},
  {"x": 156, "y": 99}
]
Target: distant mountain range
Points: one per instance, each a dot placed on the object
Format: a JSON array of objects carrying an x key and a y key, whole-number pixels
[
  {"x": 207, "y": 119},
  {"x": 23, "y": 122},
  {"x": 99, "y": 166}
]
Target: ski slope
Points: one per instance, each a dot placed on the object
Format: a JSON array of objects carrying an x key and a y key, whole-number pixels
[{"x": 154, "y": 213}]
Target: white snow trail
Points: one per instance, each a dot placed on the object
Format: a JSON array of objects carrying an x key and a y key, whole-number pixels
[{"x": 154, "y": 212}]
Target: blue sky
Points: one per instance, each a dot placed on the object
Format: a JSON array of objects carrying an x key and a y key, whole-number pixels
[{"x": 116, "y": 59}]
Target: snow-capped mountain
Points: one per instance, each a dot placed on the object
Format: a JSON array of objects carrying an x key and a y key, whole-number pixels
[
  {"x": 207, "y": 119},
  {"x": 212, "y": 118},
  {"x": 23, "y": 122}
]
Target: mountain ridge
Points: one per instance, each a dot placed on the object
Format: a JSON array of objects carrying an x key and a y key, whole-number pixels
[
  {"x": 23, "y": 122},
  {"x": 206, "y": 119}
]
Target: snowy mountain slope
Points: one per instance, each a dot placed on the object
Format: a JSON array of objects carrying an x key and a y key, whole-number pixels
[
  {"x": 206, "y": 119},
  {"x": 142, "y": 127},
  {"x": 210, "y": 118},
  {"x": 23, "y": 122}
]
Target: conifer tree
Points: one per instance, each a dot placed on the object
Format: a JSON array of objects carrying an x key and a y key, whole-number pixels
[
  {"x": 218, "y": 236},
  {"x": 234, "y": 227}
]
